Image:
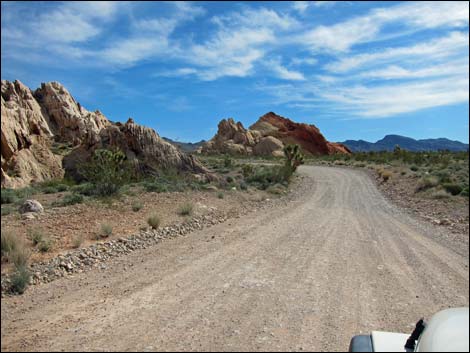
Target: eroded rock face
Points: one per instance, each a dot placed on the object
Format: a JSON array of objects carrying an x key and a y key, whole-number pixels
[
  {"x": 148, "y": 152},
  {"x": 268, "y": 136},
  {"x": 307, "y": 136},
  {"x": 26, "y": 139},
  {"x": 33, "y": 122},
  {"x": 68, "y": 119}
]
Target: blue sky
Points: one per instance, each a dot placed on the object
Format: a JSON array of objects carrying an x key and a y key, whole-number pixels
[{"x": 357, "y": 70}]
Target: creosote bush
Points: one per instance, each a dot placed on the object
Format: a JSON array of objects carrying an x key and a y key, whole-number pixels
[{"x": 108, "y": 170}]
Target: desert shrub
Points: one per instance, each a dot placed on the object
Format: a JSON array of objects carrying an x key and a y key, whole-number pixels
[
  {"x": 50, "y": 190},
  {"x": 276, "y": 189},
  {"x": 6, "y": 211},
  {"x": 106, "y": 230},
  {"x": 8, "y": 196},
  {"x": 386, "y": 175},
  {"x": 453, "y": 189},
  {"x": 247, "y": 170},
  {"x": 62, "y": 187},
  {"x": 229, "y": 179},
  {"x": 440, "y": 194},
  {"x": 45, "y": 245},
  {"x": 35, "y": 235},
  {"x": 444, "y": 177},
  {"x": 69, "y": 199},
  {"x": 77, "y": 241},
  {"x": 243, "y": 186},
  {"x": 228, "y": 161},
  {"x": 108, "y": 170},
  {"x": 86, "y": 189},
  {"x": 464, "y": 192},
  {"x": 153, "y": 221},
  {"x": 137, "y": 206},
  {"x": 19, "y": 256},
  {"x": 220, "y": 195},
  {"x": 155, "y": 187},
  {"x": 9, "y": 243},
  {"x": 414, "y": 168},
  {"x": 186, "y": 209},
  {"x": 20, "y": 280},
  {"x": 427, "y": 183}
]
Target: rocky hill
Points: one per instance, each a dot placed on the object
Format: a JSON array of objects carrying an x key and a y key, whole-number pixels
[
  {"x": 389, "y": 142},
  {"x": 46, "y": 133},
  {"x": 268, "y": 136}
]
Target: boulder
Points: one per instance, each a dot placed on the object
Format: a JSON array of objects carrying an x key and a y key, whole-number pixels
[
  {"x": 31, "y": 206},
  {"x": 269, "y": 146}
]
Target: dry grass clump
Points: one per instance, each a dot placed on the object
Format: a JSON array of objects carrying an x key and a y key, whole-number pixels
[{"x": 153, "y": 221}]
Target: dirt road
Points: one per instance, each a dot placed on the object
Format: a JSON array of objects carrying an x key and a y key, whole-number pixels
[{"x": 337, "y": 261}]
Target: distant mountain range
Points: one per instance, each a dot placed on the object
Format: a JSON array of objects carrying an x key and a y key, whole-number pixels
[
  {"x": 185, "y": 146},
  {"x": 389, "y": 142}
]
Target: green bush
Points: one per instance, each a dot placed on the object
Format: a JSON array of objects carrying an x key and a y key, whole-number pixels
[
  {"x": 6, "y": 211},
  {"x": 243, "y": 186},
  {"x": 229, "y": 179},
  {"x": 86, "y": 189},
  {"x": 35, "y": 235},
  {"x": 220, "y": 195},
  {"x": 453, "y": 189},
  {"x": 50, "y": 190},
  {"x": 107, "y": 171},
  {"x": 62, "y": 187},
  {"x": 8, "y": 196},
  {"x": 414, "y": 168},
  {"x": 153, "y": 221},
  {"x": 45, "y": 245},
  {"x": 155, "y": 187},
  {"x": 247, "y": 170},
  {"x": 464, "y": 192},
  {"x": 106, "y": 230},
  {"x": 186, "y": 209},
  {"x": 20, "y": 280},
  {"x": 69, "y": 199},
  {"x": 227, "y": 162},
  {"x": 137, "y": 206}
]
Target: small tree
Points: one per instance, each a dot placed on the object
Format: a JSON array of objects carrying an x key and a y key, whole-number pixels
[
  {"x": 294, "y": 158},
  {"x": 108, "y": 170}
]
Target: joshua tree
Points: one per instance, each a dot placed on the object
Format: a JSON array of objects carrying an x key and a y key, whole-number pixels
[{"x": 294, "y": 158}]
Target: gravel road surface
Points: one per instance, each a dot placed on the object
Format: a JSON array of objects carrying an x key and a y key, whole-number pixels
[{"x": 339, "y": 260}]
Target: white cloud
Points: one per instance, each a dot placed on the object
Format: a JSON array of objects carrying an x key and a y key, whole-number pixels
[
  {"x": 454, "y": 43},
  {"x": 282, "y": 72},
  {"x": 388, "y": 100},
  {"x": 297, "y": 61},
  {"x": 301, "y": 6},
  {"x": 415, "y": 16}
]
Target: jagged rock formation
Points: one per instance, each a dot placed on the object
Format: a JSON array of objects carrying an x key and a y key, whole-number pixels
[
  {"x": 143, "y": 147},
  {"x": 33, "y": 123},
  {"x": 231, "y": 138},
  {"x": 26, "y": 139},
  {"x": 69, "y": 121},
  {"x": 268, "y": 136}
]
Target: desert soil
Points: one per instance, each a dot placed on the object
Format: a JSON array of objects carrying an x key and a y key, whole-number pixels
[{"x": 338, "y": 260}]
